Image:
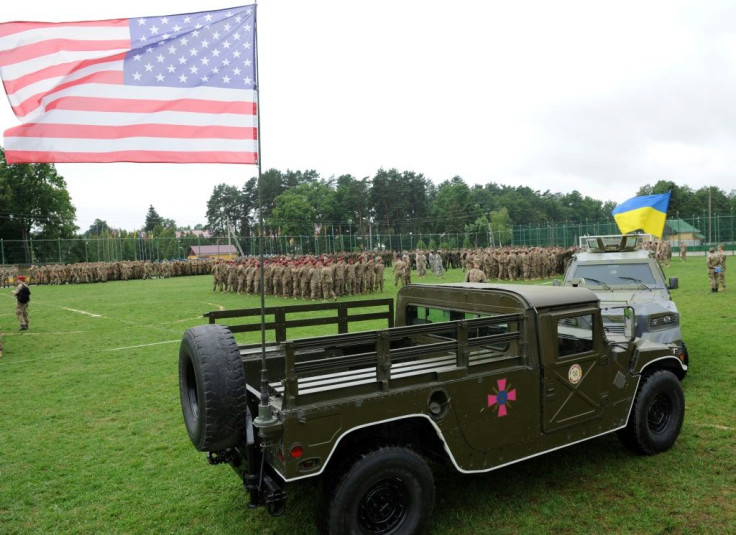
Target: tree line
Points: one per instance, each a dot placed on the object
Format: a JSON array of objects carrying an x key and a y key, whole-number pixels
[
  {"x": 35, "y": 205},
  {"x": 297, "y": 203}
]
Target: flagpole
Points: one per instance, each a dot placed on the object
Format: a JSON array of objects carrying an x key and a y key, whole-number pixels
[{"x": 265, "y": 414}]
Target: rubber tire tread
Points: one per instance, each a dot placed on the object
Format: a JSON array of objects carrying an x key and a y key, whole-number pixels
[
  {"x": 637, "y": 436},
  {"x": 212, "y": 387},
  {"x": 340, "y": 508}
]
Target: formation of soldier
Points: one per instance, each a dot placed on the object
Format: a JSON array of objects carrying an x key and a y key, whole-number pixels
[
  {"x": 497, "y": 263},
  {"x": 324, "y": 277},
  {"x": 517, "y": 263},
  {"x": 91, "y": 272},
  {"x": 314, "y": 277}
]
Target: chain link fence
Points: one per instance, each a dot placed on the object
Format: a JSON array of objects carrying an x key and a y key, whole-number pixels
[{"x": 698, "y": 233}]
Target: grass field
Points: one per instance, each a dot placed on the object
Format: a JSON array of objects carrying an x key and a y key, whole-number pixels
[{"x": 92, "y": 438}]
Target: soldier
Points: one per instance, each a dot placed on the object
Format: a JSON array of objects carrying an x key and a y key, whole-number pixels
[
  {"x": 240, "y": 276},
  {"x": 250, "y": 274},
  {"x": 526, "y": 265},
  {"x": 232, "y": 277},
  {"x": 257, "y": 272},
  {"x": 340, "y": 270},
  {"x": 399, "y": 267},
  {"x": 286, "y": 286},
  {"x": 513, "y": 266},
  {"x": 350, "y": 277},
  {"x": 683, "y": 251},
  {"x": 315, "y": 281},
  {"x": 217, "y": 281},
  {"x": 712, "y": 260},
  {"x": 22, "y": 297},
  {"x": 304, "y": 277},
  {"x": 439, "y": 259},
  {"x": 276, "y": 269},
  {"x": 328, "y": 284},
  {"x": 296, "y": 279},
  {"x": 267, "y": 278},
  {"x": 475, "y": 274},
  {"x": 421, "y": 265},
  {"x": 370, "y": 276},
  {"x": 503, "y": 265},
  {"x": 379, "y": 274}
]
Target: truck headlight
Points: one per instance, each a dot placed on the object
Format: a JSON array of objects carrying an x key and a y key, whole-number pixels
[{"x": 663, "y": 321}]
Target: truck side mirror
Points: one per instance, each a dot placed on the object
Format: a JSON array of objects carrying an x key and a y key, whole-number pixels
[
  {"x": 674, "y": 283},
  {"x": 629, "y": 322}
]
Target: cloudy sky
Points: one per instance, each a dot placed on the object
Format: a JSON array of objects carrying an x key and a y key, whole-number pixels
[{"x": 596, "y": 96}]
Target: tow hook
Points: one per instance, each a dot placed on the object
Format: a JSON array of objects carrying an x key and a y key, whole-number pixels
[{"x": 276, "y": 503}]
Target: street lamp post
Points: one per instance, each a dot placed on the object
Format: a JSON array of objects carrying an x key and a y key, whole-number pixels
[{"x": 350, "y": 236}]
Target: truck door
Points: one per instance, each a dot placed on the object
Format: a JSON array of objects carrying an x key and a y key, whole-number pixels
[
  {"x": 497, "y": 404},
  {"x": 574, "y": 364}
]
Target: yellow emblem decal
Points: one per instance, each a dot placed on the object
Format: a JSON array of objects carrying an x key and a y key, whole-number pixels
[{"x": 574, "y": 374}]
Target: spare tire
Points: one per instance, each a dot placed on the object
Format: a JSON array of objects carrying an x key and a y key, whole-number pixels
[{"x": 212, "y": 387}]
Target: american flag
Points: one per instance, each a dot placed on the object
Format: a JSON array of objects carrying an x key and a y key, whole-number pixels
[{"x": 175, "y": 89}]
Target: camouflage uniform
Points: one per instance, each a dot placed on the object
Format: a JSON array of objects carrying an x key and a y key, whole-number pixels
[
  {"x": 328, "y": 285},
  {"x": 399, "y": 268},
  {"x": 350, "y": 277},
  {"x": 21, "y": 309},
  {"x": 421, "y": 265},
  {"x": 304, "y": 276},
  {"x": 475, "y": 274},
  {"x": 340, "y": 277},
  {"x": 240, "y": 277},
  {"x": 217, "y": 279},
  {"x": 379, "y": 274},
  {"x": 712, "y": 260},
  {"x": 315, "y": 281}
]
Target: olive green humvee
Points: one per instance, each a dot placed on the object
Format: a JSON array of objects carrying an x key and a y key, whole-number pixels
[{"x": 476, "y": 376}]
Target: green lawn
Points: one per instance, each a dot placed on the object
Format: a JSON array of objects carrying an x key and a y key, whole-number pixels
[{"x": 92, "y": 439}]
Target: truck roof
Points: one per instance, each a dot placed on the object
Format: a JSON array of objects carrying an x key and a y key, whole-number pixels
[{"x": 533, "y": 296}]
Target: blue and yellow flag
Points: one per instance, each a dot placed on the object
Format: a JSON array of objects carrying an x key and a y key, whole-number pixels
[{"x": 647, "y": 212}]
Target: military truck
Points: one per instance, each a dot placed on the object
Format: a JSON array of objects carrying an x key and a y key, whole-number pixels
[
  {"x": 621, "y": 272},
  {"x": 475, "y": 376}
]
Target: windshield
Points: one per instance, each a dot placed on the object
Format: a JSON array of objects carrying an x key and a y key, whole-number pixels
[{"x": 616, "y": 275}]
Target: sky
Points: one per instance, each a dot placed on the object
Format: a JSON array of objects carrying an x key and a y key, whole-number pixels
[{"x": 601, "y": 97}]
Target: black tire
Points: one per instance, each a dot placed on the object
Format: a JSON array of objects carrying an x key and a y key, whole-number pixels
[
  {"x": 212, "y": 387},
  {"x": 657, "y": 415},
  {"x": 386, "y": 491}
]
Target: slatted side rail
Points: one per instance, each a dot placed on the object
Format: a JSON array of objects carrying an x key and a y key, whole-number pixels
[
  {"x": 341, "y": 314},
  {"x": 309, "y": 376},
  {"x": 399, "y": 333}
]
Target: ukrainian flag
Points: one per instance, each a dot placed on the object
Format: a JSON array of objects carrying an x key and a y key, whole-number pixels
[{"x": 647, "y": 212}]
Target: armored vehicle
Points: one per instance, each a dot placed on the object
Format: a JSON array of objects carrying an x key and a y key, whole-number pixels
[
  {"x": 621, "y": 272},
  {"x": 475, "y": 376}
]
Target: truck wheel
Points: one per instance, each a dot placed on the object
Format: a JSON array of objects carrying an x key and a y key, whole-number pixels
[
  {"x": 389, "y": 490},
  {"x": 212, "y": 387},
  {"x": 657, "y": 415}
]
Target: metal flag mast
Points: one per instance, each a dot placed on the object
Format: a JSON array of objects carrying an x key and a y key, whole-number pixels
[{"x": 265, "y": 414}]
